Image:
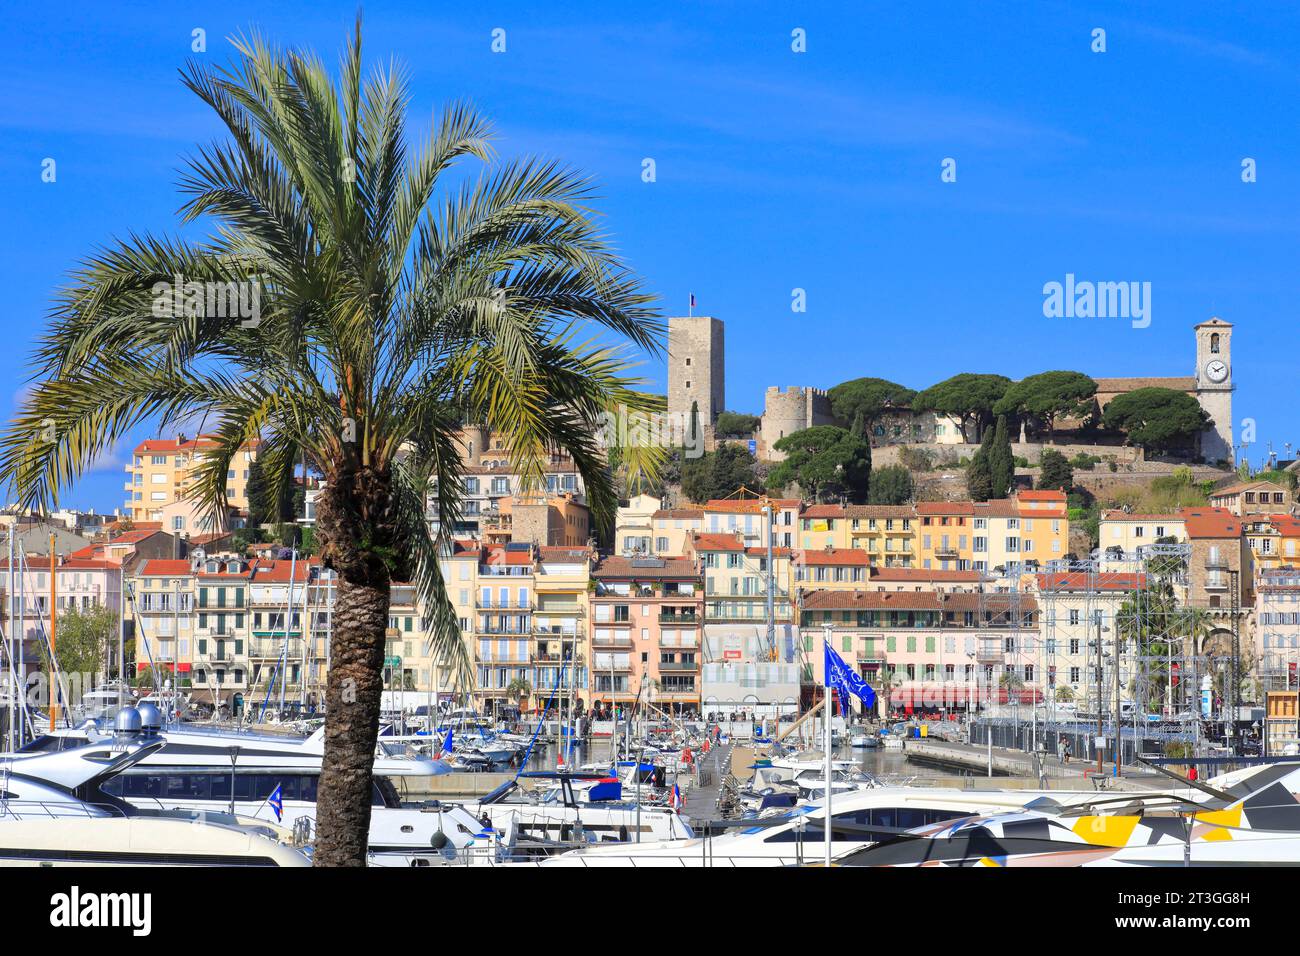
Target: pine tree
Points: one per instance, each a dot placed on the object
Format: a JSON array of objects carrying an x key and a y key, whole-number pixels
[{"x": 1002, "y": 464}]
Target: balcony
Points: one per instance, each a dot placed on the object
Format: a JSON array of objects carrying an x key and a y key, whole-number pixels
[
  {"x": 571, "y": 609},
  {"x": 685, "y": 643},
  {"x": 612, "y": 640},
  {"x": 679, "y": 666},
  {"x": 500, "y": 630},
  {"x": 266, "y": 650},
  {"x": 503, "y": 605},
  {"x": 687, "y": 620},
  {"x": 494, "y": 658},
  {"x": 555, "y": 630}
]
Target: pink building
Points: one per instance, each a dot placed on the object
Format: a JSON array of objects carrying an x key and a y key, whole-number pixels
[{"x": 645, "y": 633}]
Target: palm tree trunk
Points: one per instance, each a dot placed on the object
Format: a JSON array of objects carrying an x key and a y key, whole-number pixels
[
  {"x": 346, "y": 522},
  {"x": 353, "y": 691}
]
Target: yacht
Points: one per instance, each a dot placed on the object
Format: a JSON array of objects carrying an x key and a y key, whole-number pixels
[
  {"x": 862, "y": 819},
  {"x": 1255, "y": 823},
  {"x": 193, "y": 772},
  {"x": 568, "y": 808},
  {"x": 56, "y": 810}
]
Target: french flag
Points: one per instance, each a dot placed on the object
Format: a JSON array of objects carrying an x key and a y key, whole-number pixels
[
  {"x": 675, "y": 800},
  {"x": 446, "y": 747}
]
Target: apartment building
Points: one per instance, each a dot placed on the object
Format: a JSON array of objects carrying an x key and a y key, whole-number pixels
[
  {"x": 634, "y": 531},
  {"x": 1078, "y": 609},
  {"x": 645, "y": 633},
  {"x": 886, "y": 532},
  {"x": 945, "y": 535},
  {"x": 162, "y": 471},
  {"x": 281, "y": 654},
  {"x": 1122, "y": 534},
  {"x": 505, "y": 590},
  {"x": 1218, "y": 568},
  {"x": 558, "y": 521},
  {"x": 823, "y": 526},
  {"x": 933, "y": 649},
  {"x": 221, "y": 663},
  {"x": 485, "y": 486},
  {"x": 1252, "y": 497},
  {"x": 1012, "y": 535},
  {"x": 561, "y": 638},
  {"x": 671, "y": 527},
  {"x": 82, "y": 583},
  {"x": 830, "y": 569},
  {"x": 161, "y": 609},
  {"x": 750, "y": 519},
  {"x": 1273, "y": 541},
  {"x": 1277, "y": 628}
]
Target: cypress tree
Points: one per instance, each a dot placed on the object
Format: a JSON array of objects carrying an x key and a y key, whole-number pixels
[
  {"x": 979, "y": 475},
  {"x": 1002, "y": 464}
]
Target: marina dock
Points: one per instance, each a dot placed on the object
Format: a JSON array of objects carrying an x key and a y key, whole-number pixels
[{"x": 1030, "y": 768}]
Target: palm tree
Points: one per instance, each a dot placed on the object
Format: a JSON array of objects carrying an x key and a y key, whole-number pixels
[
  {"x": 520, "y": 690},
  {"x": 389, "y": 314}
]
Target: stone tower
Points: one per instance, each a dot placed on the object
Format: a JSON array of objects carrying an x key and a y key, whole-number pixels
[
  {"x": 1214, "y": 387},
  {"x": 696, "y": 372},
  {"x": 789, "y": 410}
]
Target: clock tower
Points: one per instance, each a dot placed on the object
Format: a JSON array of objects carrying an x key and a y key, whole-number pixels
[{"x": 1214, "y": 387}]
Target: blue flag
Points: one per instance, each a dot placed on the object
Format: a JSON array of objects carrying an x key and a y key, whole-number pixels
[
  {"x": 276, "y": 802},
  {"x": 842, "y": 678},
  {"x": 447, "y": 746}
]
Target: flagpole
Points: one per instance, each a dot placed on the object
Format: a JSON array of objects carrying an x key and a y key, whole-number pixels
[{"x": 826, "y": 737}]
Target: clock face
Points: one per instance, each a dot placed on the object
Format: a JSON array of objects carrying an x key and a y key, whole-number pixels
[{"x": 1216, "y": 370}]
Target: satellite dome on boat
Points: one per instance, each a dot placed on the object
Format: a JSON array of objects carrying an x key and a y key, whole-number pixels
[
  {"x": 150, "y": 718},
  {"x": 128, "y": 721}
]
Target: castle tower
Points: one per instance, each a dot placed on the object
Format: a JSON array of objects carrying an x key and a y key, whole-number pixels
[
  {"x": 696, "y": 368},
  {"x": 790, "y": 410},
  {"x": 1214, "y": 387}
]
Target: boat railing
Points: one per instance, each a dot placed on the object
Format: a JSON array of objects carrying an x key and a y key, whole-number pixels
[{"x": 23, "y": 809}]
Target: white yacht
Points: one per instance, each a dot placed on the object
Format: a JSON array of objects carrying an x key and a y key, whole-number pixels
[
  {"x": 194, "y": 772},
  {"x": 568, "y": 810},
  {"x": 54, "y": 811},
  {"x": 861, "y": 819}
]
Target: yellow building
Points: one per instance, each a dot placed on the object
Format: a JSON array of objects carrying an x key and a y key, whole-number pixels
[
  {"x": 1120, "y": 533},
  {"x": 945, "y": 535},
  {"x": 560, "y": 631},
  {"x": 1030, "y": 529},
  {"x": 886, "y": 532},
  {"x": 735, "y": 578},
  {"x": 823, "y": 526},
  {"x": 672, "y": 528},
  {"x": 162, "y": 470},
  {"x": 1274, "y": 541},
  {"x": 634, "y": 531}
]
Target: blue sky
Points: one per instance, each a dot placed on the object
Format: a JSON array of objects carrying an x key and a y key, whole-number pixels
[{"x": 775, "y": 170}]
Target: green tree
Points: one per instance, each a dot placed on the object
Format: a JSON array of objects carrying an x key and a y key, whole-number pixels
[
  {"x": 979, "y": 473},
  {"x": 394, "y": 303},
  {"x": 1049, "y": 396},
  {"x": 891, "y": 485},
  {"x": 870, "y": 396},
  {"x": 736, "y": 425},
  {"x": 520, "y": 690},
  {"x": 1002, "y": 464},
  {"x": 824, "y": 459},
  {"x": 82, "y": 636},
  {"x": 969, "y": 396},
  {"x": 717, "y": 474},
  {"x": 1055, "y": 471},
  {"x": 1158, "y": 419}
]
